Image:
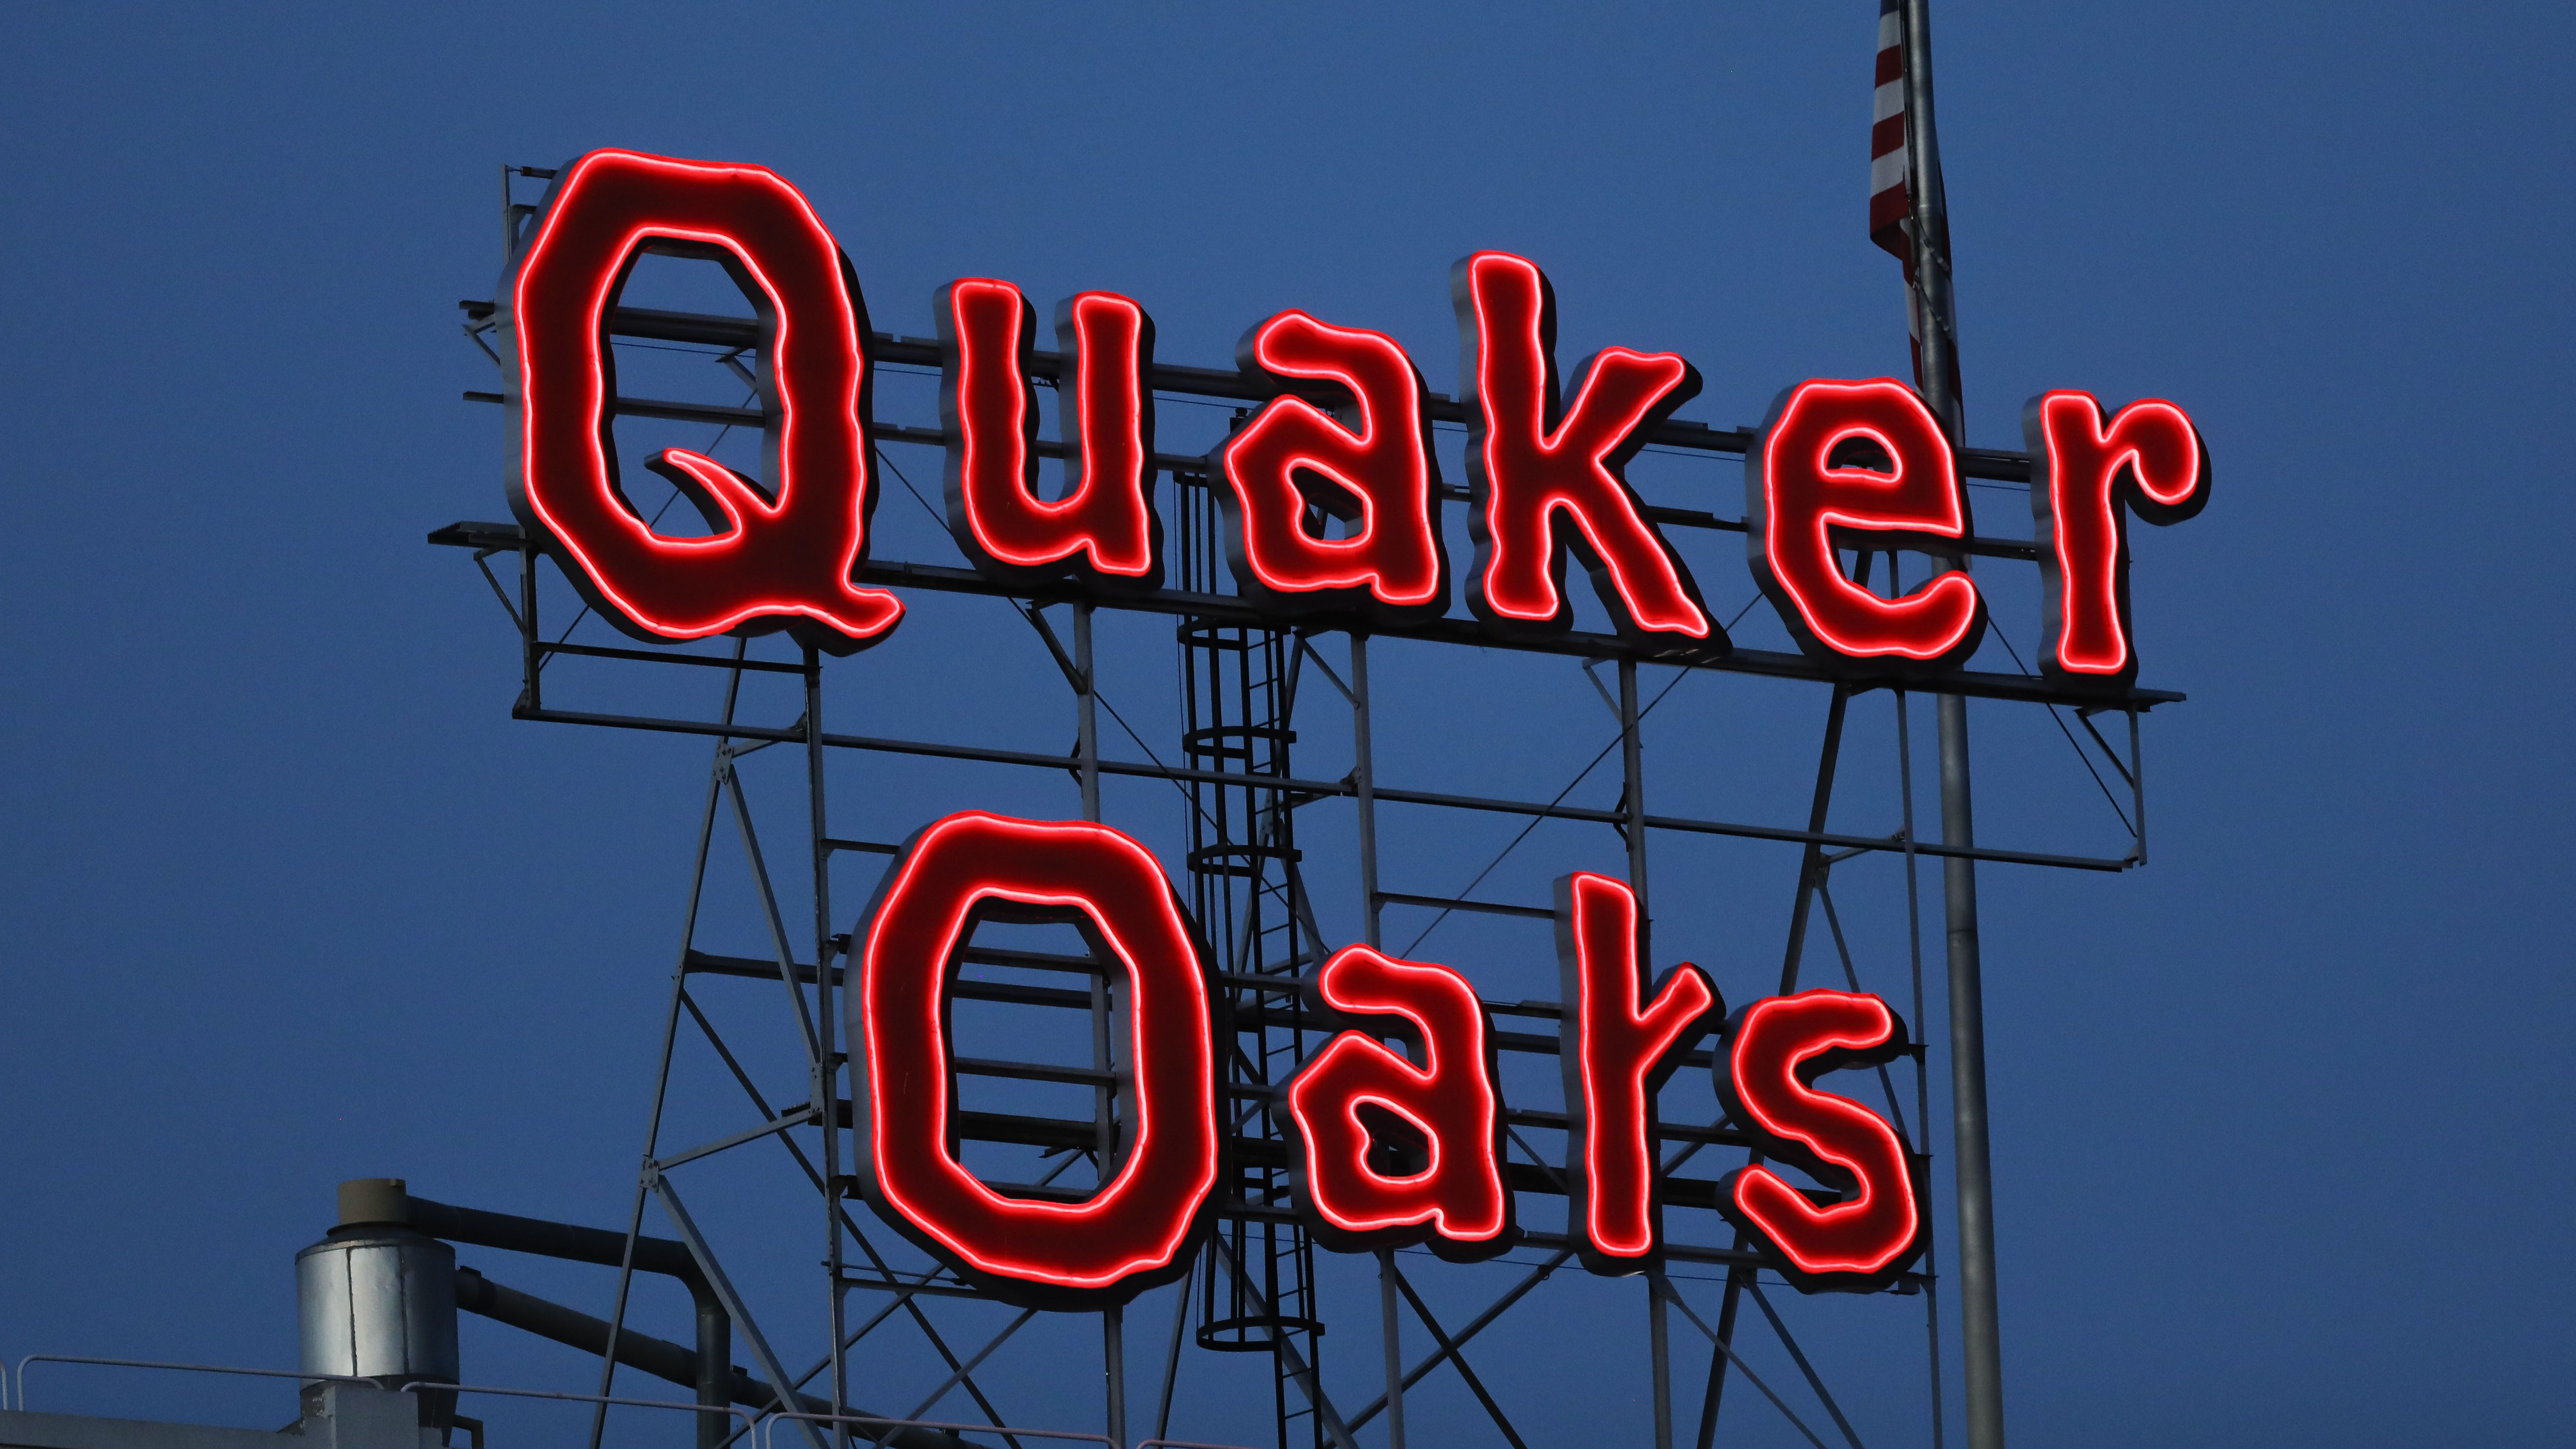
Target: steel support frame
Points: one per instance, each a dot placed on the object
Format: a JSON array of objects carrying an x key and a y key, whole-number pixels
[{"x": 1821, "y": 851}]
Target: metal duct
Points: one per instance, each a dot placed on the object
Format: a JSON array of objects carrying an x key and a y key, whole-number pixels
[{"x": 377, "y": 1300}]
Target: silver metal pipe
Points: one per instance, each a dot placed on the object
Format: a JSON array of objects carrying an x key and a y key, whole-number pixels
[
  {"x": 1389, "y": 1328},
  {"x": 1980, "y": 1333},
  {"x": 1981, "y": 1340},
  {"x": 826, "y": 1075}
]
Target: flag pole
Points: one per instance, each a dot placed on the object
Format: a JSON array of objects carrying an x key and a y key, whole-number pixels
[{"x": 1979, "y": 1325}]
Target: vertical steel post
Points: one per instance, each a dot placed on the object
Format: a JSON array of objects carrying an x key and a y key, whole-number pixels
[
  {"x": 1087, "y": 713},
  {"x": 827, "y": 1059},
  {"x": 1632, "y": 764},
  {"x": 1364, "y": 784},
  {"x": 1980, "y": 1333},
  {"x": 1113, "y": 1320},
  {"x": 1932, "y": 297},
  {"x": 1113, "y": 1367},
  {"x": 711, "y": 1428},
  {"x": 1660, "y": 1350},
  {"x": 1394, "y": 1348},
  {"x": 531, "y": 659}
]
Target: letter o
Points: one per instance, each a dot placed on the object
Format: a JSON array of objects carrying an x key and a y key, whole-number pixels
[{"x": 1140, "y": 1228}]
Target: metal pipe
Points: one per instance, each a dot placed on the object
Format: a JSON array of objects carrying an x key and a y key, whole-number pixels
[
  {"x": 664, "y": 1360},
  {"x": 1980, "y": 1334},
  {"x": 714, "y": 1277},
  {"x": 545, "y": 1239},
  {"x": 1389, "y": 1328},
  {"x": 1979, "y": 1322},
  {"x": 825, "y": 1076}
]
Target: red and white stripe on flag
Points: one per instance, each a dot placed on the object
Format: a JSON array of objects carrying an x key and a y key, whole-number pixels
[
  {"x": 1891, "y": 198},
  {"x": 1891, "y": 188}
]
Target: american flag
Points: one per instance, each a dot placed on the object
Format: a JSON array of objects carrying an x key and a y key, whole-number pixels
[{"x": 1891, "y": 191}]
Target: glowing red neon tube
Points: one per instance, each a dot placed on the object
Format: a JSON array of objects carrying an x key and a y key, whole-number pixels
[
  {"x": 784, "y": 555},
  {"x": 1354, "y": 1197},
  {"x": 1776, "y": 1048},
  {"x": 1138, "y": 1229},
  {"x": 2090, "y": 474},
  {"x": 1104, "y": 529},
  {"x": 1530, "y": 461},
  {"x": 1797, "y": 493},
  {"x": 1619, "y": 1041},
  {"x": 1379, "y": 475}
]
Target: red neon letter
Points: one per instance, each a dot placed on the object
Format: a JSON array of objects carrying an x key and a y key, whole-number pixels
[
  {"x": 2148, "y": 460},
  {"x": 1796, "y": 495},
  {"x": 1778, "y": 1046},
  {"x": 785, "y": 555},
  {"x": 1104, "y": 529},
  {"x": 1528, "y": 460},
  {"x": 1140, "y": 1228},
  {"x": 1618, "y": 1044},
  {"x": 1378, "y": 475},
  {"x": 1455, "y": 1197}
]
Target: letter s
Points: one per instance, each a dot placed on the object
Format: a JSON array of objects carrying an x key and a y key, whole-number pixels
[{"x": 1776, "y": 1048}]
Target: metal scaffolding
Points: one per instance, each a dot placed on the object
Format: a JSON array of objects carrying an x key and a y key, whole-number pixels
[{"x": 1241, "y": 678}]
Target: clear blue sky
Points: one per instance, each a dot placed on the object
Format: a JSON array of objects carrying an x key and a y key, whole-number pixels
[{"x": 2281, "y": 1122}]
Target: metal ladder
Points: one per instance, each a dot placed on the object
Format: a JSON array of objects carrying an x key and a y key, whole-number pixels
[{"x": 1239, "y": 687}]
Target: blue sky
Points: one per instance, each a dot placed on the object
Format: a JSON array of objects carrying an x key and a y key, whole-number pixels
[{"x": 2281, "y": 1121}]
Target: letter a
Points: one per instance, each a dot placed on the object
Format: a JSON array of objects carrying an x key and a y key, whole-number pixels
[
  {"x": 785, "y": 555},
  {"x": 1619, "y": 1041},
  {"x": 1530, "y": 461},
  {"x": 1376, "y": 472},
  {"x": 1442, "y": 1179}
]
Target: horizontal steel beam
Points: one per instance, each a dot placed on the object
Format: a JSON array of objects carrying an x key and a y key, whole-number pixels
[
  {"x": 1228, "y": 384},
  {"x": 1888, "y": 844},
  {"x": 1228, "y": 610},
  {"x": 1244, "y": 1018},
  {"x": 734, "y": 416}
]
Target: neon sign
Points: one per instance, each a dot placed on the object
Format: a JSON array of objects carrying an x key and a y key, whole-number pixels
[
  {"x": 1393, "y": 1144},
  {"x": 1838, "y": 465},
  {"x": 1332, "y": 494}
]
